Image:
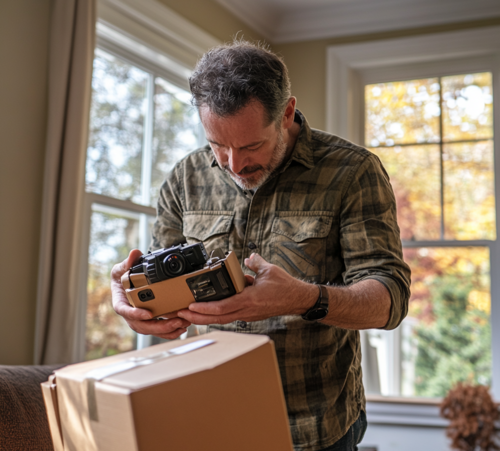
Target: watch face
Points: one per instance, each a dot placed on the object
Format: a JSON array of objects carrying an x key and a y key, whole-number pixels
[{"x": 316, "y": 314}]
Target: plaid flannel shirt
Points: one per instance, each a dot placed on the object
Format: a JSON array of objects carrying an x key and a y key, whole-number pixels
[{"x": 328, "y": 214}]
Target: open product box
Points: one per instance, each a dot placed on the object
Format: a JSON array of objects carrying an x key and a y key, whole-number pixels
[{"x": 218, "y": 391}]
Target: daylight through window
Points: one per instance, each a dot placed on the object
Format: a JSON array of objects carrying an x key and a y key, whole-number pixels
[
  {"x": 140, "y": 125},
  {"x": 435, "y": 139}
]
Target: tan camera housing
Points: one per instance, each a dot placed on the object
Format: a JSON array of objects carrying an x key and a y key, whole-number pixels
[{"x": 174, "y": 294}]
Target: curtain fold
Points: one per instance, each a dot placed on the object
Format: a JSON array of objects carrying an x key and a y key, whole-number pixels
[{"x": 72, "y": 41}]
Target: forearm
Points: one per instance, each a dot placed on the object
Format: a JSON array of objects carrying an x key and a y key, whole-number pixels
[
  {"x": 363, "y": 305},
  {"x": 273, "y": 292}
]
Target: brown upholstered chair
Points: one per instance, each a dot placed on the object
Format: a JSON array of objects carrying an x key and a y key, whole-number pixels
[{"x": 23, "y": 421}]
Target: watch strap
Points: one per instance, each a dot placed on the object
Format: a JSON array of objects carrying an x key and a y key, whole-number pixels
[{"x": 320, "y": 309}]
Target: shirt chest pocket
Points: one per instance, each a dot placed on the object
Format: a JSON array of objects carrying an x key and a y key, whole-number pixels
[
  {"x": 208, "y": 227},
  {"x": 298, "y": 244}
]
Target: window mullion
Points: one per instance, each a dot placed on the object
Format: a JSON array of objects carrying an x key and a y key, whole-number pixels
[
  {"x": 144, "y": 341},
  {"x": 147, "y": 145},
  {"x": 120, "y": 204},
  {"x": 441, "y": 166},
  {"x": 410, "y": 144},
  {"x": 147, "y": 161},
  {"x": 448, "y": 243}
]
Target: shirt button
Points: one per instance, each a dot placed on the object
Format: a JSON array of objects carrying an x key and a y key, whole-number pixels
[
  {"x": 252, "y": 245},
  {"x": 242, "y": 324}
]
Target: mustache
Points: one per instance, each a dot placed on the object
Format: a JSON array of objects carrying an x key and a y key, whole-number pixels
[{"x": 245, "y": 170}]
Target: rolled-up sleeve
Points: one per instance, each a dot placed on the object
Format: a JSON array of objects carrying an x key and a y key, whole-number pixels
[{"x": 369, "y": 236}]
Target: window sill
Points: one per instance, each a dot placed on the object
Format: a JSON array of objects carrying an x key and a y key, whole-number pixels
[
  {"x": 404, "y": 400},
  {"x": 422, "y": 412}
]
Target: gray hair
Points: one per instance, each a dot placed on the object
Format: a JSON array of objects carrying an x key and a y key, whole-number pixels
[{"x": 230, "y": 76}]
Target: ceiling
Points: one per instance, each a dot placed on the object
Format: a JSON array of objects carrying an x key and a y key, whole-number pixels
[{"x": 282, "y": 21}]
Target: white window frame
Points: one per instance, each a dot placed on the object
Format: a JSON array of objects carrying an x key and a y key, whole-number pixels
[
  {"x": 349, "y": 69},
  {"x": 159, "y": 41}
]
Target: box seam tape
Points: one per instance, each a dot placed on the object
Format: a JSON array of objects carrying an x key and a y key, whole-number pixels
[{"x": 101, "y": 373}]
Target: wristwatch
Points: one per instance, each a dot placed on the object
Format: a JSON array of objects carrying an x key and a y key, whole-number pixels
[{"x": 320, "y": 309}]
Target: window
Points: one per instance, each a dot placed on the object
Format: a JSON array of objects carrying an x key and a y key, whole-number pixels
[
  {"x": 435, "y": 139},
  {"x": 424, "y": 105},
  {"x": 140, "y": 125}
]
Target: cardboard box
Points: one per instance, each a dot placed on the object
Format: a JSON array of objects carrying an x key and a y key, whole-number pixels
[{"x": 219, "y": 391}]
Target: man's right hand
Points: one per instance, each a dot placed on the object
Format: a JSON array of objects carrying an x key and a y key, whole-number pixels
[{"x": 141, "y": 320}]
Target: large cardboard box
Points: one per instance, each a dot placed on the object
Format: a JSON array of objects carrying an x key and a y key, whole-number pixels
[{"x": 219, "y": 391}]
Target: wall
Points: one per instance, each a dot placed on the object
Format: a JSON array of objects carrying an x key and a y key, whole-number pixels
[
  {"x": 306, "y": 62},
  {"x": 24, "y": 28}
]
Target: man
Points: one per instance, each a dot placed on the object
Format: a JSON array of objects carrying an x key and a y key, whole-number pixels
[{"x": 300, "y": 208}]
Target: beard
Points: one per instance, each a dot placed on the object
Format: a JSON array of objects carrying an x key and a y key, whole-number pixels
[{"x": 264, "y": 172}]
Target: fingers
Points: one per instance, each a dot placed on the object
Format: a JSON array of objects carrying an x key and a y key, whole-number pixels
[
  {"x": 204, "y": 320},
  {"x": 169, "y": 315},
  {"x": 173, "y": 335},
  {"x": 133, "y": 257},
  {"x": 255, "y": 263},
  {"x": 216, "y": 312},
  {"x": 121, "y": 268},
  {"x": 218, "y": 308},
  {"x": 159, "y": 327},
  {"x": 123, "y": 308},
  {"x": 250, "y": 279},
  {"x": 119, "y": 298}
]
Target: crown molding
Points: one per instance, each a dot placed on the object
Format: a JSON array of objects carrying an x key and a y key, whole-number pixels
[
  {"x": 259, "y": 17},
  {"x": 368, "y": 16},
  {"x": 160, "y": 20},
  {"x": 355, "y": 17}
]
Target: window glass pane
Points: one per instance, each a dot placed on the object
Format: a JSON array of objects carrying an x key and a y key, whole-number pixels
[
  {"x": 447, "y": 334},
  {"x": 116, "y": 128},
  {"x": 403, "y": 112},
  {"x": 113, "y": 234},
  {"x": 467, "y": 107},
  {"x": 149, "y": 238},
  {"x": 469, "y": 195},
  {"x": 415, "y": 177},
  {"x": 176, "y": 131}
]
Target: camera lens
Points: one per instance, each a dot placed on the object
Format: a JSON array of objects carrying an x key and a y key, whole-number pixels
[{"x": 174, "y": 265}]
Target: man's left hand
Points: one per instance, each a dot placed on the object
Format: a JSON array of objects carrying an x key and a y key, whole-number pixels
[{"x": 272, "y": 292}]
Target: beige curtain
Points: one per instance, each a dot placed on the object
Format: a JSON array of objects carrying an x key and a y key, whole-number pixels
[{"x": 70, "y": 74}]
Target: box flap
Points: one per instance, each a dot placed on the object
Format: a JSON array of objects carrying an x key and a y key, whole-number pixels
[
  {"x": 49, "y": 391},
  {"x": 227, "y": 346}
]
